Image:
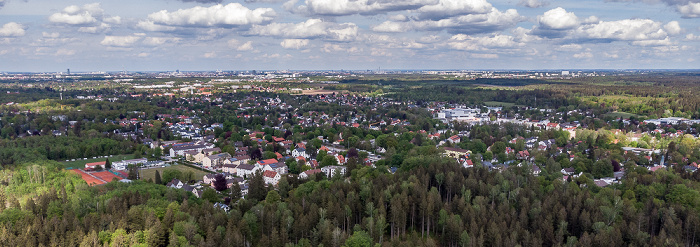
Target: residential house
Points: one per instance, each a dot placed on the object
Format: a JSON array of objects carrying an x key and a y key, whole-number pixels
[
  {"x": 300, "y": 152},
  {"x": 245, "y": 170},
  {"x": 262, "y": 163},
  {"x": 568, "y": 171},
  {"x": 238, "y": 160},
  {"x": 215, "y": 160},
  {"x": 271, "y": 177},
  {"x": 523, "y": 155},
  {"x": 279, "y": 167},
  {"x": 454, "y": 139},
  {"x": 229, "y": 168},
  {"x": 340, "y": 159},
  {"x": 92, "y": 166},
  {"x": 175, "y": 183},
  {"x": 209, "y": 178},
  {"x": 456, "y": 152},
  {"x": 467, "y": 163},
  {"x": 309, "y": 173},
  {"x": 331, "y": 170}
]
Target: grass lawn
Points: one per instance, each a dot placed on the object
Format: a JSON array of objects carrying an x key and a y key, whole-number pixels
[
  {"x": 80, "y": 163},
  {"x": 151, "y": 173},
  {"x": 623, "y": 115},
  {"x": 496, "y": 103}
]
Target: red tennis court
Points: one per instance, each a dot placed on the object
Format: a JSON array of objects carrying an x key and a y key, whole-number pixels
[
  {"x": 106, "y": 176},
  {"x": 90, "y": 180}
]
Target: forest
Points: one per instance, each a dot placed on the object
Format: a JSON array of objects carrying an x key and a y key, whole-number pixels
[{"x": 436, "y": 203}]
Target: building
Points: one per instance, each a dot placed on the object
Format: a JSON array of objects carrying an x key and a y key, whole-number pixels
[
  {"x": 179, "y": 150},
  {"x": 331, "y": 170},
  {"x": 123, "y": 164},
  {"x": 309, "y": 173},
  {"x": 229, "y": 168},
  {"x": 93, "y": 166},
  {"x": 245, "y": 170},
  {"x": 215, "y": 160},
  {"x": 279, "y": 167},
  {"x": 271, "y": 177},
  {"x": 456, "y": 152},
  {"x": 300, "y": 152}
]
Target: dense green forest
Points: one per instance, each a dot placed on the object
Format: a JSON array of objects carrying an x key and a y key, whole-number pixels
[{"x": 437, "y": 203}]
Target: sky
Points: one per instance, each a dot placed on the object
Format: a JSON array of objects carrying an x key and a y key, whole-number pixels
[{"x": 167, "y": 35}]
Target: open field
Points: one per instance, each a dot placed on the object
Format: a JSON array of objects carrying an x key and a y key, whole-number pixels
[
  {"x": 501, "y": 104},
  {"x": 317, "y": 92},
  {"x": 151, "y": 173},
  {"x": 496, "y": 103},
  {"x": 623, "y": 115},
  {"x": 80, "y": 163}
]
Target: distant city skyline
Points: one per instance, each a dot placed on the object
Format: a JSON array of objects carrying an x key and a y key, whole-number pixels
[{"x": 207, "y": 35}]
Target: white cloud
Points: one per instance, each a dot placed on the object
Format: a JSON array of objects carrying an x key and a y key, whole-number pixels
[
  {"x": 152, "y": 27},
  {"x": 351, "y": 7},
  {"x": 690, "y": 10},
  {"x": 330, "y": 48},
  {"x": 103, "y": 27},
  {"x": 50, "y": 35},
  {"x": 247, "y": 46},
  {"x": 484, "y": 56},
  {"x": 12, "y": 29},
  {"x": 583, "y": 55},
  {"x": 65, "y": 52},
  {"x": 673, "y": 28},
  {"x": 312, "y": 28},
  {"x": 236, "y": 44},
  {"x": 653, "y": 42},
  {"x": 156, "y": 41},
  {"x": 448, "y": 8},
  {"x": 470, "y": 24},
  {"x": 294, "y": 43},
  {"x": 469, "y": 43},
  {"x": 210, "y": 54},
  {"x": 230, "y": 15},
  {"x": 75, "y": 15},
  {"x": 120, "y": 41},
  {"x": 113, "y": 20},
  {"x": 692, "y": 37},
  {"x": 398, "y": 18},
  {"x": 558, "y": 19},
  {"x": 570, "y": 47},
  {"x": 627, "y": 30},
  {"x": 533, "y": 3}
]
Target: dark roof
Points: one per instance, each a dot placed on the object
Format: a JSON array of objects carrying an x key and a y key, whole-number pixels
[{"x": 246, "y": 167}]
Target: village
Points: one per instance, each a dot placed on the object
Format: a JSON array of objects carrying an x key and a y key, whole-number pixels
[{"x": 306, "y": 143}]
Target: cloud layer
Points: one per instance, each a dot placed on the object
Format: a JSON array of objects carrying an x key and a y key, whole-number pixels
[{"x": 306, "y": 34}]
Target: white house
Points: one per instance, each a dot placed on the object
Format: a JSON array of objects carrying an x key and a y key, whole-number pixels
[
  {"x": 330, "y": 170},
  {"x": 271, "y": 177},
  {"x": 123, "y": 164},
  {"x": 245, "y": 170},
  {"x": 300, "y": 152}
]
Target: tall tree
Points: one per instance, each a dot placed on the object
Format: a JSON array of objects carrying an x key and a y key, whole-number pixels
[
  {"x": 219, "y": 182},
  {"x": 257, "y": 190},
  {"x": 235, "y": 193},
  {"x": 158, "y": 179},
  {"x": 108, "y": 164}
]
